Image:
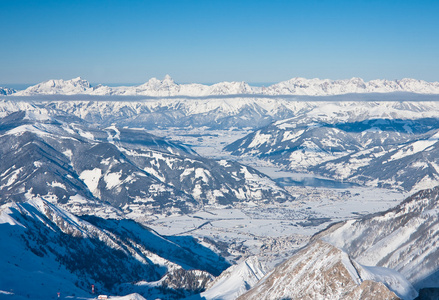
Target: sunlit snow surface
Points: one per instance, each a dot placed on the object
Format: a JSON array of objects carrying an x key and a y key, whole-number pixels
[{"x": 294, "y": 86}]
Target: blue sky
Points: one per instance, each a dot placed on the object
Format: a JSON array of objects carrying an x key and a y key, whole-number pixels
[{"x": 210, "y": 41}]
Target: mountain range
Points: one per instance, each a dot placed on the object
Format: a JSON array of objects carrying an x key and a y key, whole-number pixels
[
  {"x": 84, "y": 167},
  {"x": 70, "y": 188},
  {"x": 80, "y": 175},
  {"x": 389, "y": 144},
  {"x": 376, "y": 143},
  {"x": 295, "y": 86}
]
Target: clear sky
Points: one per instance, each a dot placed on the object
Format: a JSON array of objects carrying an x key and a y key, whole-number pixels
[{"x": 210, "y": 41}]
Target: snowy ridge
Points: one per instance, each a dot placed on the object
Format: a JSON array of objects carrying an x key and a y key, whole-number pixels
[
  {"x": 402, "y": 239},
  {"x": 295, "y": 86},
  {"x": 321, "y": 271},
  {"x": 58, "y": 86},
  {"x": 6, "y": 91},
  {"x": 236, "y": 280},
  {"x": 320, "y": 87},
  {"x": 392, "y": 145},
  {"x": 224, "y": 113},
  {"x": 347, "y": 140}
]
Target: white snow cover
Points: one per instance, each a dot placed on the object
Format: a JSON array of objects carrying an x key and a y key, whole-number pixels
[
  {"x": 392, "y": 279},
  {"x": 58, "y": 86},
  {"x": 91, "y": 179},
  {"x": 43, "y": 276},
  {"x": 295, "y": 86},
  {"x": 236, "y": 280}
]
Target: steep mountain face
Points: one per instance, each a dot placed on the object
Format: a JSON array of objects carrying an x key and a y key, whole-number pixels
[
  {"x": 132, "y": 171},
  {"x": 387, "y": 151},
  {"x": 46, "y": 250},
  {"x": 295, "y": 86},
  {"x": 403, "y": 238},
  {"x": 321, "y": 271}
]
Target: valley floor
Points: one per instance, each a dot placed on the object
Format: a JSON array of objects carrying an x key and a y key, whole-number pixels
[{"x": 272, "y": 231}]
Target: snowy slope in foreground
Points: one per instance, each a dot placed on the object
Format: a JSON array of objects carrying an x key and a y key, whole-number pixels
[
  {"x": 404, "y": 238},
  {"x": 321, "y": 271},
  {"x": 295, "y": 86},
  {"x": 236, "y": 280},
  {"x": 46, "y": 250}
]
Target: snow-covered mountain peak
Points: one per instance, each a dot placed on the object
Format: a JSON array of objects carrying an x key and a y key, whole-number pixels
[
  {"x": 6, "y": 91},
  {"x": 357, "y": 81},
  {"x": 231, "y": 88},
  {"x": 168, "y": 78},
  {"x": 58, "y": 86},
  {"x": 294, "y": 86},
  {"x": 153, "y": 87}
]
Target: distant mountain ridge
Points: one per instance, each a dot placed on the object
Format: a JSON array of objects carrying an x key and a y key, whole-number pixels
[
  {"x": 295, "y": 86},
  {"x": 6, "y": 91}
]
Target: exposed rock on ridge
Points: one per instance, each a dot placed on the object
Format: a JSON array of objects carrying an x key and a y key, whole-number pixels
[{"x": 321, "y": 271}]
